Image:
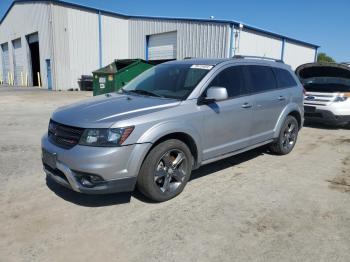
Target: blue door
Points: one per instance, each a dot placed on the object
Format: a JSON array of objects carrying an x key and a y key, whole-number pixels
[{"x": 49, "y": 77}]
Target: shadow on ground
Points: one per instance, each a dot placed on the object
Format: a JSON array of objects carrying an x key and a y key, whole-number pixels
[
  {"x": 227, "y": 162},
  {"x": 123, "y": 198}
]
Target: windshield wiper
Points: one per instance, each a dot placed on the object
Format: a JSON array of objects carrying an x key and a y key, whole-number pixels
[{"x": 142, "y": 92}]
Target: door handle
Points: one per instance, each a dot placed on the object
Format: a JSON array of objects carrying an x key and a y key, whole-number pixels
[
  {"x": 246, "y": 105},
  {"x": 281, "y": 98}
]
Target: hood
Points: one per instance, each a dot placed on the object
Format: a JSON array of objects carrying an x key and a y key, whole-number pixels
[
  {"x": 324, "y": 77},
  {"x": 322, "y": 70},
  {"x": 104, "y": 110}
]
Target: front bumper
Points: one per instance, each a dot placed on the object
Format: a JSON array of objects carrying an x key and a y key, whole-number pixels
[
  {"x": 117, "y": 167},
  {"x": 324, "y": 116}
]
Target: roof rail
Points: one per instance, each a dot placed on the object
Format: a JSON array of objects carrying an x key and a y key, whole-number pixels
[{"x": 257, "y": 57}]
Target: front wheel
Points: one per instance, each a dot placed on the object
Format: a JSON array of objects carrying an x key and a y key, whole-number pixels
[
  {"x": 165, "y": 171},
  {"x": 287, "y": 137}
]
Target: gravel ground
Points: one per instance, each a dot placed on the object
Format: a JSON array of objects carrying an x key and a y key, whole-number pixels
[{"x": 251, "y": 207}]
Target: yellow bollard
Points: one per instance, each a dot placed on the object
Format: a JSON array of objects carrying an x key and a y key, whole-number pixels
[
  {"x": 8, "y": 78},
  {"x": 39, "y": 80}
]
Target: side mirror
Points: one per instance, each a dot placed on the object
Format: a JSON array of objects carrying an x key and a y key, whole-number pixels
[{"x": 214, "y": 93}]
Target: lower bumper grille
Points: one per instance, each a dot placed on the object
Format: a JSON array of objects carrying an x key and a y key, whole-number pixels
[{"x": 56, "y": 172}]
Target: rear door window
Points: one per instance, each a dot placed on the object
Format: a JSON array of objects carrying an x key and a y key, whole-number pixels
[
  {"x": 233, "y": 79},
  {"x": 261, "y": 78},
  {"x": 284, "y": 78}
]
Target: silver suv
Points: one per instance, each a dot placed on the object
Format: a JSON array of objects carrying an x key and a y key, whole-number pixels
[{"x": 171, "y": 120}]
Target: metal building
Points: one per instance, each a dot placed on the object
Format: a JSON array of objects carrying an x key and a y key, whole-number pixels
[{"x": 61, "y": 41}]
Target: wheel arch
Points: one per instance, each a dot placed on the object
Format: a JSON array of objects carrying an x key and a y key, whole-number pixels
[
  {"x": 183, "y": 137},
  {"x": 174, "y": 130},
  {"x": 293, "y": 110}
]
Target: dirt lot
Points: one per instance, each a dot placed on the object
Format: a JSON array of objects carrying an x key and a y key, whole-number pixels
[{"x": 252, "y": 207}]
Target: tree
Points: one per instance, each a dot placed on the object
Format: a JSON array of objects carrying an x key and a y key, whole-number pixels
[{"x": 323, "y": 57}]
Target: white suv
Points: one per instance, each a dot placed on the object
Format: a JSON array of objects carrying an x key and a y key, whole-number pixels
[{"x": 327, "y": 92}]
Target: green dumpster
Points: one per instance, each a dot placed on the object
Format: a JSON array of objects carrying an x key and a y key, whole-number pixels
[{"x": 114, "y": 76}]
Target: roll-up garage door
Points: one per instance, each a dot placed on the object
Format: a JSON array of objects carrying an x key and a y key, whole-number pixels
[
  {"x": 18, "y": 61},
  {"x": 162, "y": 46},
  {"x": 5, "y": 61}
]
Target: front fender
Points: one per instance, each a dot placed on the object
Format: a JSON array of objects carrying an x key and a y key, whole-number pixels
[
  {"x": 286, "y": 111},
  {"x": 153, "y": 134}
]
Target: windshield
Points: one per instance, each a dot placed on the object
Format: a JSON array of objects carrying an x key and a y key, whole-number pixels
[
  {"x": 327, "y": 84},
  {"x": 175, "y": 81}
]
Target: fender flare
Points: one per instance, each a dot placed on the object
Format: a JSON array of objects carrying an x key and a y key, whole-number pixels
[
  {"x": 293, "y": 107},
  {"x": 156, "y": 132}
]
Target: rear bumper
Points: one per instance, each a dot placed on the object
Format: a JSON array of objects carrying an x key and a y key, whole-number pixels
[{"x": 325, "y": 116}]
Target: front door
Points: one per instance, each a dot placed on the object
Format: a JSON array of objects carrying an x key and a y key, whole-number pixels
[{"x": 227, "y": 124}]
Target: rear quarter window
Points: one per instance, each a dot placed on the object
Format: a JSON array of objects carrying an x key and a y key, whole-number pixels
[
  {"x": 261, "y": 78},
  {"x": 284, "y": 78}
]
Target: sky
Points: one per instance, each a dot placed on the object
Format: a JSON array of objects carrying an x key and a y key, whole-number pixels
[{"x": 321, "y": 22}]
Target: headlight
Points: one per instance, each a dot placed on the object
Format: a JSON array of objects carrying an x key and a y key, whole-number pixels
[
  {"x": 105, "y": 136},
  {"x": 341, "y": 97}
]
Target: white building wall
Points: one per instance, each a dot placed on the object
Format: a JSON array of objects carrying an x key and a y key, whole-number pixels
[
  {"x": 194, "y": 39},
  {"x": 60, "y": 45},
  {"x": 257, "y": 44},
  {"x": 115, "y": 38},
  {"x": 83, "y": 42},
  {"x": 69, "y": 37},
  {"x": 297, "y": 54},
  {"x": 77, "y": 44},
  {"x": 25, "y": 19}
]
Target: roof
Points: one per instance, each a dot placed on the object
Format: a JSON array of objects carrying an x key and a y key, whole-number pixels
[
  {"x": 101, "y": 11},
  {"x": 255, "y": 60},
  {"x": 199, "y": 61}
]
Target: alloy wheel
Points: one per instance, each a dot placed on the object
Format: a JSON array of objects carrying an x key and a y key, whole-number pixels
[{"x": 170, "y": 171}]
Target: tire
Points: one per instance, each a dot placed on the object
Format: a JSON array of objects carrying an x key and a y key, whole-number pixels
[
  {"x": 165, "y": 171},
  {"x": 287, "y": 137}
]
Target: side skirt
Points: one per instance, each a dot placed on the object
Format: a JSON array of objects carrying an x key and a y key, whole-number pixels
[{"x": 211, "y": 160}]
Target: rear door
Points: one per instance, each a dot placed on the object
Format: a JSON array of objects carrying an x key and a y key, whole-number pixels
[
  {"x": 269, "y": 101},
  {"x": 227, "y": 124}
]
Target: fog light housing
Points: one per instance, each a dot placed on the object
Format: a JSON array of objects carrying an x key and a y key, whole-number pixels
[{"x": 89, "y": 180}]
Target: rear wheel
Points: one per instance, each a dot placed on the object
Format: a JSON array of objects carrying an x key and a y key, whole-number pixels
[
  {"x": 165, "y": 171},
  {"x": 287, "y": 137}
]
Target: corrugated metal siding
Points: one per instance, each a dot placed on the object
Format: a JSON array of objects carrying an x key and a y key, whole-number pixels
[
  {"x": 296, "y": 54},
  {"x": 18, "y": 61},
  {"x": 83, "y": 44},
  {"x": 25, "y": 19},
  {"x": 194, "y": 39},
  {"x": 5, "y": 63},
  {"x": 115, "y": 39},
  {"x": 76, "y": 43},
  {"x": 257, "y": 44},
  {"x": 61, "y": 60}
]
